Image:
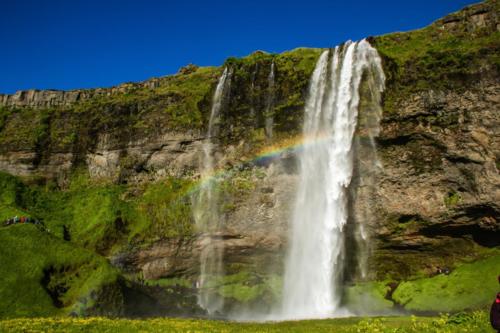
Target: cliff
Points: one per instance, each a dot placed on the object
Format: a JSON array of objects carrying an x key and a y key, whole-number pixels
[{"x": 111, "y": 173}]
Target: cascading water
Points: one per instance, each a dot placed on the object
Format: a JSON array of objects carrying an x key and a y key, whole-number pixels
[
  {"x": 315, "y": 262},
  {"x": 269, "y": 103},
  {"x": 366, "y": 168},
  {"x": 253, "y": 115},
  {"x": 206, "y": 210}
]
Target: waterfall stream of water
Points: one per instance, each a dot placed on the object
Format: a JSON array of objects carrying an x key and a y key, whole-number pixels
[
  {"x": 206, "y": 210},
  {"x": 269, "y": 103},
  {"x": 315, "y": 262}
]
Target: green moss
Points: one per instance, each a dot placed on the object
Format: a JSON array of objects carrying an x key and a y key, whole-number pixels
[
  {"x": 247, "y": 287},
  {"x": 88, "y": 211},
  {"x": 22, "y": 128},
  {"x": 27, "y": 256},
  {"x": 162, "y": 210},
  {"x": 246, "y": 112},
  {"x": 187, "y": 92},
  {"x": 241, "y": 293},
  {"x": 10, "y": 196},
  {"x": 452, "y": 199},
  {"x": 368, "y": 297},
  {"x": 101, "y": 215},
  {"x": 5, "y": 113},
  {"x": 469, "y": 286},
  {"x": 300, "y": 59},
  {"x": 169, "y": 282}
]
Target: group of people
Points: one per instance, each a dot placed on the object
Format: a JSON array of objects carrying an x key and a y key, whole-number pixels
[{"x": 21, "y": 220}]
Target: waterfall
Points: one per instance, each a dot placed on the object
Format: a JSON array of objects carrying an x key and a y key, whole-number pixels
[
  {"x": 253, "y": 115},
  {"x": 206, "y": 210},
  {"x": 315, "y": 261},
  {"x": 269, "y": 104},
  {"x": 366, "y": 167}
]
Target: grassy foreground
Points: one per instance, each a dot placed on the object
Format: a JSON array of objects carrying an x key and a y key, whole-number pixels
[{"x": 470, "y": 322}]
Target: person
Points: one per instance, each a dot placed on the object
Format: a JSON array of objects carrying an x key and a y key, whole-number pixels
[{"x": 495, "y": 312}]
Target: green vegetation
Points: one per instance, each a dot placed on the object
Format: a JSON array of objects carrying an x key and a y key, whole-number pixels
[
  {"x": 5, "y": 112},
  {"x": 175, "y": 103},
  {"x": 11, "y": 190},
  {"x": 368, "y": 297},
  {"x": 244, "y": 115},
  {"x": 440, "y": 56},
  {"x": 53, "y": 272},
  {"x": 452, "y": 199},
  {"x": 188, "y": 91},
  {"x": 21, "y": 127},
  {"x": 163, "y": 209},
  {"x": 169, "y": 282},
  {"x": 178, "y": 102},
  {"x": 469, "y": 286},
  {"x": 472, "y": 322},
  {"x": 35, "y": 264},
  {"x": 247, "y": 287},
  {"x": 100, "y": 215}
]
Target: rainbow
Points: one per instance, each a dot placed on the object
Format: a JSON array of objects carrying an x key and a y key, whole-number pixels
[{"x": 264, "y": 157}]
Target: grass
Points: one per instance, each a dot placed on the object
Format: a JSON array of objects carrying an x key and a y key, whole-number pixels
[
  {"x": 28, "y": 253},
  {"x": 10, "y": 188},
  {"x": 163, "y": 209},
  {"x": 247, "y": 287},
  {"x": 189, "y": 91},
  {"x": 368, "y": 297},
  {"x": 170, "y": 282},
  {"x": 473, "y": 322},
  {"x": 100, "y": 215},
  {"x": 434, "y": 58},
  {"x": 469, "y": 286}
]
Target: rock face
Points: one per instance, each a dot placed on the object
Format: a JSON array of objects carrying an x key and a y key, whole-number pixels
[
  {"x": 54, "y": 98},
  {"x": 434, "y": 202},
  {"x": 440, "y": 184}
]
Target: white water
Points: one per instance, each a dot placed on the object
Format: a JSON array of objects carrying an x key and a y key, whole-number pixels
[
  {"x": 269, "y": 103},
  {"x": 315, "y": 261},
  {"x": 206, "y": 211}
]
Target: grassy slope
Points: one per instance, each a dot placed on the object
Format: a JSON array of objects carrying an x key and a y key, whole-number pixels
[
  {"x": 368, "y": 298},
  {"x": 476, "y": 322},
  {"x": 469, "y": 286},
  {"x": 26, "y": 252},
  {"x": 90, "y": 212},
  {"x": 98, "y": 215}
]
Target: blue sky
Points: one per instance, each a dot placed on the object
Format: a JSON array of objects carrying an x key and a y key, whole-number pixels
[{"x": 69, "y": 44}]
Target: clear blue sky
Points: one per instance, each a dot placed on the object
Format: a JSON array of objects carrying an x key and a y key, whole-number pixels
[{"x": 68, "y": 44}]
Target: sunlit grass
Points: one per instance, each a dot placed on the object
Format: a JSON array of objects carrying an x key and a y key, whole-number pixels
[{"x": 472, "y": 322}]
